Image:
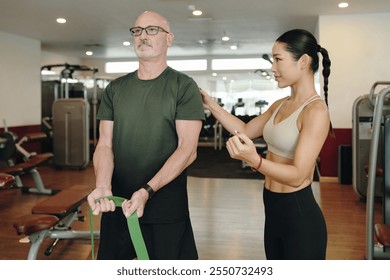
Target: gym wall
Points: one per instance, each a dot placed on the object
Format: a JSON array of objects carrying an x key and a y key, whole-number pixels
[
  {"x": 358, "y": 48},
  {"x": 20, "y": 89}
]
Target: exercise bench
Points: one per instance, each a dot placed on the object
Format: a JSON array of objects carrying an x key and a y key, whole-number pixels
[
  {"x": 52, "y": 218},
  {"x": 30, "y": 166},
  {"x": 9, "y": 147}
]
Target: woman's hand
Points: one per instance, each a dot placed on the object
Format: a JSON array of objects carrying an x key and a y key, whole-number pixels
[
  {"x": 242, "y": 148},
  {"x": 206, "y": 99}
]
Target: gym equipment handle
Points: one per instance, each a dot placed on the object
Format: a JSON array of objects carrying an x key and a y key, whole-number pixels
[{"x": 372, "y": 95}]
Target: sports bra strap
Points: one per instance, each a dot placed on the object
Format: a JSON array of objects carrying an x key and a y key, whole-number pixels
[{"x": 314, "y": 97}]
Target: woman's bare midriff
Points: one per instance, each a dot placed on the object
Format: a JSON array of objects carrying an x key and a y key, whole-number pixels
[{"x": 275, "y": 186}]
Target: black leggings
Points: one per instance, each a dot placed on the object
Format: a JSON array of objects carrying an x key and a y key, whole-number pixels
[{"x": 295, "y": 227}]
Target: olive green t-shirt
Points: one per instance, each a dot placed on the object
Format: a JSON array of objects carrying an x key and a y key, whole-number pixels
[{"x": 144, "y": 114}]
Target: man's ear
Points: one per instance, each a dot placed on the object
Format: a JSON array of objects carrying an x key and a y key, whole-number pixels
[{"x": 170, "y": 38}]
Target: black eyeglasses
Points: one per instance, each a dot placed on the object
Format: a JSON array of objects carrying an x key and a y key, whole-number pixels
[{"x": 150, "y": 30}]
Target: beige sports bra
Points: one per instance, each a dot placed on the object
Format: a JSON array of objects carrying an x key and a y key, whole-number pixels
[{"x": 282, "y": 138}]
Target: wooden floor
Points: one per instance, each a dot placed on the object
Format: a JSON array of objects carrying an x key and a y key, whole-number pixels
[{"x": 227, "y": 217}]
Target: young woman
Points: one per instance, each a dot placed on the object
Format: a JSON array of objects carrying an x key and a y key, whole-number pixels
[{"x": 295, "y": 129}]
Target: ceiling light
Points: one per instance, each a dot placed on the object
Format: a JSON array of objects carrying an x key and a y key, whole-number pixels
[
  {"x": 197, "y": 12},
  {"x": 343, "y": 5},
  {"x": 126, "y": 43},
  {"x": 61, "y": 20},
  {"x": 233, "y": 47},
  {"x": 225, "y": 38},
  {"x": 214, "y": 74},
  {"x": 89, "y": 53}
]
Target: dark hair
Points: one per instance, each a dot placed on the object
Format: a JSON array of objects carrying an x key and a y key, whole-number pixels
[{"x": 299, "y": 42}]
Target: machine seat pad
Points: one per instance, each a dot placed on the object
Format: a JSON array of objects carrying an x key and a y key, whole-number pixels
[
  {"x": 382, "y": 233},
  {"x": 64, "y": 202},
  {"x": 6, "y": 181},
  {"x": 29, "y": 224},
  {"x": 378, "y": 171}
]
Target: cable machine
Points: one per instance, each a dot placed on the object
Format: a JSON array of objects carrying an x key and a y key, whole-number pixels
[
  {"x": 363, "y": 112},
  {"x": 380, "y": 141},
  {"x": 64, "y": 91}
]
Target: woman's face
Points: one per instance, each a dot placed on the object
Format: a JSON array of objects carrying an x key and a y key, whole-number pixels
[{"x": 286, "y": 69}]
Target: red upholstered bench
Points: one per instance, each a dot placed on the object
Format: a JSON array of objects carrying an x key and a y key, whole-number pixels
[
  {"x": 30, "y": 166},
  {"x": 25, "y": 167}
]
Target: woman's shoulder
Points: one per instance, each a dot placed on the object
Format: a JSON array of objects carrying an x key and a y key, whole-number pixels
[
  {"x": 315, "y": 110},
  {"x": 317, "y": 105}
]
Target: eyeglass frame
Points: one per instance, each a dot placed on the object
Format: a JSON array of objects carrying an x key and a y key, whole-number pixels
[{"x": 146, "y": 30}]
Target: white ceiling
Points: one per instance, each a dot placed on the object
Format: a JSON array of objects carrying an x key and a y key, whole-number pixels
[{"x": 102, "y": 25}]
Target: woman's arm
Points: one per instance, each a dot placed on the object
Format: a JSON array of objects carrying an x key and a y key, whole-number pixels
[
  {"x": 314, "y": 128},
  {"x": 231, "y": 123}
]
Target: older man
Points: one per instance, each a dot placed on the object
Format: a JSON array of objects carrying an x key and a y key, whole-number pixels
[{"x": 150, "y": 122}]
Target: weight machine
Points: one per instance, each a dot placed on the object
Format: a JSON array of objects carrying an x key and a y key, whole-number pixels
[
  {"x": 362, "y": 118},
  {"x": 59, "y": 89},
  {"x": 379, "y": 153}
]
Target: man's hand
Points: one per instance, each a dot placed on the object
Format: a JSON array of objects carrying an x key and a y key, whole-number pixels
[
  {"x": 104, "y": 204},
  {"x": 137, "y": 203}
]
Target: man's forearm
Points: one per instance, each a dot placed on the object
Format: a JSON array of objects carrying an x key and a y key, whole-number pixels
[{"x": 103, "y": 161}]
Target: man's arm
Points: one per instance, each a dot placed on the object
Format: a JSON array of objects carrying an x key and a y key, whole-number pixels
[
  {"x": 188, "y": 134},
  {"x": 103, "y": 157},
  {"x": 103, "y": 161}
]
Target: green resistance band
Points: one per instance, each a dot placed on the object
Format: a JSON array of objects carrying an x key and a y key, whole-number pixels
[{"x": 134, "y": 230}]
